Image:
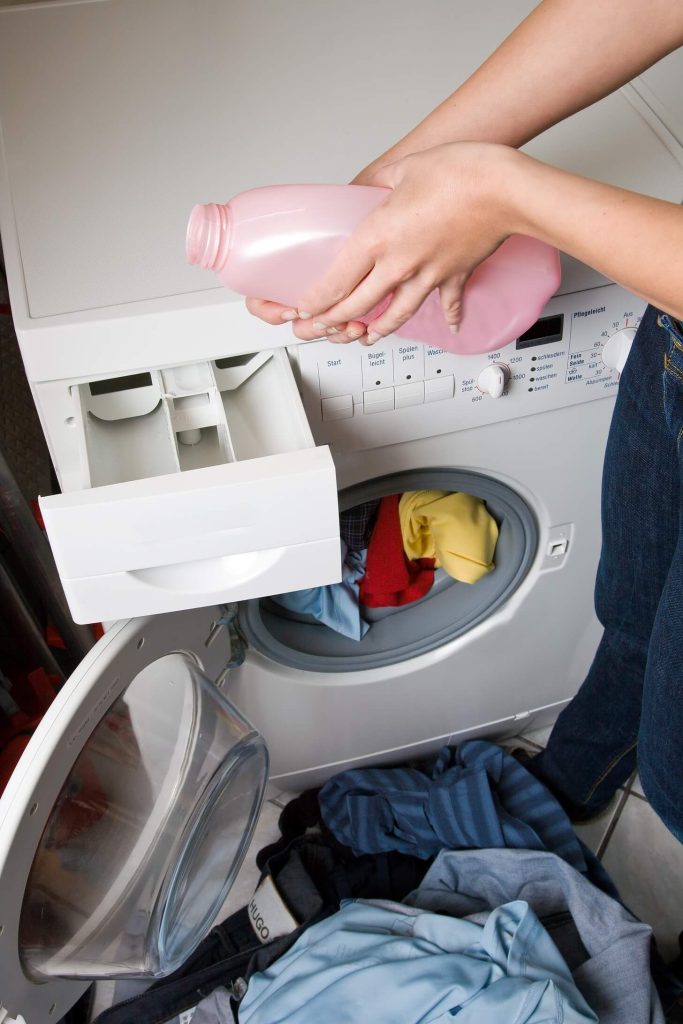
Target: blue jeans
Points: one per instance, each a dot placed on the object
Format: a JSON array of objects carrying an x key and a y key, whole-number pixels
[{"x": 629, "y": 710}]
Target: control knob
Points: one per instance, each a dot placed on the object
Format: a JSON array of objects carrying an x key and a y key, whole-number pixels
[
  {"x": 492, "y": 379},
  {"x": 616, "y": 350}
]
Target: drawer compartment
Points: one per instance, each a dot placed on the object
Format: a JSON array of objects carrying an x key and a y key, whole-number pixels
[{"x": 200, "y": 484}]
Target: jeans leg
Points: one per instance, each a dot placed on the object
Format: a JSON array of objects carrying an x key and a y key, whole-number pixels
[
  {"x": 592, "y": 749},
  {"x": 660, "y": 742}
]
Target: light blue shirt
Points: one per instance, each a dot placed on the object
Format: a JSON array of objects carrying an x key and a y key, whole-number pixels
[
  {"x": 377, "y": 962},
  {"x": 336, "y": 605}
]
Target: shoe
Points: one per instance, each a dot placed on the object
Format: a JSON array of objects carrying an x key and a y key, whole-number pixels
[
  {"x": 581, "y": 815},
  {"x": 521, "y": 754}
]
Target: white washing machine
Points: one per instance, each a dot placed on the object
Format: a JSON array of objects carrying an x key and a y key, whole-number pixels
[{"x": 142, "y": 785}]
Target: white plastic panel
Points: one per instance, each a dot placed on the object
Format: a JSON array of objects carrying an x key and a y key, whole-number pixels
[
  {"x": 221, "y": 511},
  {"x": 533, "y": 652},
  {"x": 194, "y": 484},
  {"x": 195, "y": 583},
  {"x": 559, "y": 365}
]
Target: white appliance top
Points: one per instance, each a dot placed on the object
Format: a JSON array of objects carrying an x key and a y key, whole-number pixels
[{"x": 118, "y": 116}]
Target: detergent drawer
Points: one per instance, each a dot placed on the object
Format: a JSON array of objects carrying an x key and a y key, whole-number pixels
[{"x": 196, "y": 484}]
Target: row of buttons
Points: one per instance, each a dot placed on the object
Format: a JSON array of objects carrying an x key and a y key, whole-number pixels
[{"x": 387, "y": 399}]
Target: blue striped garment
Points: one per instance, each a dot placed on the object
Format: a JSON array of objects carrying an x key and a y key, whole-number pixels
[{"x": 474, "y": 796}]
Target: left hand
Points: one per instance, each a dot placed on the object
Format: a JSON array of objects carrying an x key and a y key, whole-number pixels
[{"x": 446, "y": 214}]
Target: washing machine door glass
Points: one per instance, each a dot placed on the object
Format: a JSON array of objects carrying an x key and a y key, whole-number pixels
[{"x": 147, "y": 832}]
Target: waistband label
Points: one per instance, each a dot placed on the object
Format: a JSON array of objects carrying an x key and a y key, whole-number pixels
[{"x": 268, "y": 913}]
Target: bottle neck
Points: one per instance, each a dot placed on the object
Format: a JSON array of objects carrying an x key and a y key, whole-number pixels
[{"x": 208, "y": 235}]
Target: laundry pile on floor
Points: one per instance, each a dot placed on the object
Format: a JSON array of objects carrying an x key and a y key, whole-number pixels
[
  {"x": 413, "y": 895},
  {"x": 390, "y": 549}
]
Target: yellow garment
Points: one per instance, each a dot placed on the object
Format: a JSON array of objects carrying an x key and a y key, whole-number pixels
[{"x": 454, "y": 529}]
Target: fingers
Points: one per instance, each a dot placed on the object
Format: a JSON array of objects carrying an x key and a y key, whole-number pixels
[
  {"x": 450, "y": 294},
  {"x": 271, "y": 312},
  {"x": 363, "y": 301},
  {"x": 308, "y": 330},
  {"x": 350, "y": 268},
  {"x": 354, "y": 330},
  {"x": 405, "y": 302},
  {"x": 305, "y": 330}
]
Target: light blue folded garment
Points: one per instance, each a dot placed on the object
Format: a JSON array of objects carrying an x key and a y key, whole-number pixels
[
  {"x": 606, "y": 948},
  {"x": 336, "y": 605},
  {"x": 377, "y": 962}
]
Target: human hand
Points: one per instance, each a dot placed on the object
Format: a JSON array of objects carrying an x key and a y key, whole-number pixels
[
  {"x": 445, "y": 215},
  {"x": 305, "y": 329},
  {"x": 276, "y": 314}
]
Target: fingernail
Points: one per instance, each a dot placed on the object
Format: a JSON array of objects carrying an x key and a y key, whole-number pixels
[
  {"x": 373, "y": 336},
  {"x": 289, "y": 314},
  {"x": 320, "y": 327},
  {"x": 355, "y": 333},
  {"x": 453, "y": 328},
  {"x": 304, "y": 316}
]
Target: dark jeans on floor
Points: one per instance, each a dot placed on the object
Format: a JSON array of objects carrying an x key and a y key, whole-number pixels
[{"x": 629, "y": 710}]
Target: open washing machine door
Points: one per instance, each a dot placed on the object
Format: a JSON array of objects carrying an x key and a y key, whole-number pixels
[{"x": 126, "y": 820}]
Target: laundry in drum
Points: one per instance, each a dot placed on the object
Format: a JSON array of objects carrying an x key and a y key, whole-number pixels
[
  {"x": 455, "y": 529},
  {"x": 335, "y": 605},
  {"x": 391, "y": 548},
  {"x": 391, "y": 579}
]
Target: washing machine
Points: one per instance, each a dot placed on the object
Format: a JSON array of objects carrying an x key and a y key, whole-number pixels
[{"x": 204, "y": 458}]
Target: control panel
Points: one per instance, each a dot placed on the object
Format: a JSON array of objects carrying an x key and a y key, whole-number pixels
[{"x": 397, "y": 390}]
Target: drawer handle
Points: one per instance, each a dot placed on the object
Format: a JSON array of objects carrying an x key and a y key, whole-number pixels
[{"x": 209, "y": 575}]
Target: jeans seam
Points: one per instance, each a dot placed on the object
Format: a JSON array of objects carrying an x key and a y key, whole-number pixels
[
  {"x": 613, "y": 763},
  {"x": 673, "y": 330},
  {"x": 671, "y": 368}
]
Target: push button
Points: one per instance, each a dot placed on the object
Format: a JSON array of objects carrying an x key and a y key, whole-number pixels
[
  {"x": 439, "y": 388},
  {"x": 339, "y": 408},
  {"x": 410, "y": 394},
  {"x": 381, "y": 400}
]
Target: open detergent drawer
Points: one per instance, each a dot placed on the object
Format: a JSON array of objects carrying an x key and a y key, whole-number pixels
[{"x": 198, "y": 484}]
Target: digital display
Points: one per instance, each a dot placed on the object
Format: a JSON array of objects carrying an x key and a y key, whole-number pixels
[{"x": 544, "y": 332}]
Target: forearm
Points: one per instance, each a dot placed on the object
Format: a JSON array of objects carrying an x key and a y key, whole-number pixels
[
  {"x": 566, "y": 55},
  {"x": 633, "y": 239}
]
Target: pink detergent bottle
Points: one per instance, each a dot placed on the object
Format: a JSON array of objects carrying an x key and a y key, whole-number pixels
[{"x": 276, "y": 242}]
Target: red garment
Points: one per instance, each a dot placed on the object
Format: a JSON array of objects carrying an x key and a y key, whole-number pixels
[
  {"x": 33, "y": 693},
  {"x": 390, "y": 578}
]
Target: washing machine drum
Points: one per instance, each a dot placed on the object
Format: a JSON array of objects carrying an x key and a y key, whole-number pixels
[{"x": 127, "y": 818}]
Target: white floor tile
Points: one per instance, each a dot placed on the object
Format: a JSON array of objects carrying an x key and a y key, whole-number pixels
[
  {"x": 275, "y": 793},
  {"x": 539, "y": 737},
  {"x": 646, "y": 863},
  {"x": 594, "y": 832}
]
